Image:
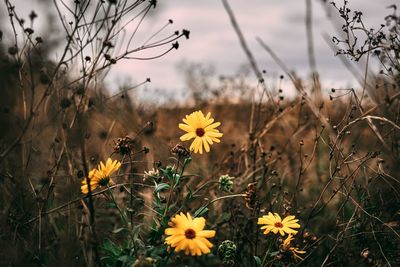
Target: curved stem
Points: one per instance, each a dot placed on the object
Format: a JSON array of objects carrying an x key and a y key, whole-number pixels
[
  {"x": 116, "y": 205},
  {"x": 219, "y": 198},
  {"x": 203, "y": 185}
]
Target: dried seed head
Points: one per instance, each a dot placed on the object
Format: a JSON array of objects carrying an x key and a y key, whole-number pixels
[
  {"x": 306, "y": 234},
  {"x": 12, "y": 50},
  {"x": 124, "y": 146},
  {"x": 251, "y": 197},
  {"x": 180, "y": 151},
  {"x": 186, "y": 33},
  {"x": 365, "y": 253},
  {"x": 65, "y": 103}
]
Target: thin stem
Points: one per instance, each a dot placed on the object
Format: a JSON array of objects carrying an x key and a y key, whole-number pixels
[
  {"x": 116, "y": 205},
  {"x": 219, "y": 198}
]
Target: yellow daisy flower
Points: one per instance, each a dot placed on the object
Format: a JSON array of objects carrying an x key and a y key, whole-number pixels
[
  {"x": 202, "y": 129},
  {"x": 286, "y": 246},
  {"x": 101, "y": 175},
  {"x": 274, "y": 223},
  {"x": 187, "y": 234}
]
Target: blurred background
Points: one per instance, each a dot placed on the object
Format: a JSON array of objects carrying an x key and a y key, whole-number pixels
[{"x": 213, "y": 49}]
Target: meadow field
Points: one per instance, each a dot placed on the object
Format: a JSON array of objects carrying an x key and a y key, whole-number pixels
[{"x": 236, "y": 174}]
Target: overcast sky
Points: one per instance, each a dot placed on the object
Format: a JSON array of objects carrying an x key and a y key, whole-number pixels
[{"x": 280, "y": 23}]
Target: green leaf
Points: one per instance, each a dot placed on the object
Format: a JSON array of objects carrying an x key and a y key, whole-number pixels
[
  {"x": 189, "y": 195},
  {"x": 177, "y": 179},
  {"x": 273, "y": 254},
  {"x": 161, "y": 187},
  {"x": 200, "y": 211},
  {"x": 124, "y": 258},
  {"x": 187, "y": 161},
  {"x": 110, "y": 205},
  {"x": 110, "y": 248},
  {"x": 129, "y": 210},
  {"x": 226, "y": 216},
  {"x": 118, "y": 230},
  {"x": 258, "y": 261},
  {"x": 157, "y": 201}
]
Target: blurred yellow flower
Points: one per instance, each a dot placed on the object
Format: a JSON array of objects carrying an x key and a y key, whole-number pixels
[
  {"x": 101, "y": 175},
  {"x": 274, "y": 223},
  {"x": 187, "y": 234},
  {"x": 286, "y": 246},
  {"x": 202, "y": 129}
]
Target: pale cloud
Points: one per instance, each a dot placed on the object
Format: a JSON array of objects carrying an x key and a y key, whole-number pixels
[{"x": 280, "y": 23}]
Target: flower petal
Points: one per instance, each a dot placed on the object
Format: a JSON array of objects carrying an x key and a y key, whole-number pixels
[
  {"x": 288, "y": 218},
  {"x": 206, "y": 145},
  {"x": 206, "y": 233},
  {"x": 203, "y": 247},
  {"x": 188, "y": 136},
  {"x": 212, "y": 126},
  {"x": 186, "y": 127},
  {"x": 198, "y": 224}
]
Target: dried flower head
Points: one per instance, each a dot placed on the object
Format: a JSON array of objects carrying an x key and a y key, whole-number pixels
[
  {"x": 180, "y": 151},
  {"x": 286, "y": 246},
  {"x": 251, "y": 197},
  {"x": 123, "y": 146}
]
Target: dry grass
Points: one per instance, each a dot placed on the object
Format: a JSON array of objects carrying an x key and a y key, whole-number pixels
[{"x": 333, "y": 163}]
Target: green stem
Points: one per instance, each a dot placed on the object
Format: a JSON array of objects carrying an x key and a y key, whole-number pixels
[
  {"x": 185, "y": 162},
  {"x": 266, "y": 254},
  {"x": 203, "y": 185},
  {"x": 196, "y": 191},
  {"x": 116, "y": 205},
  {"x": 219, "y": 198},
  {"x": 131, "y": 194}
]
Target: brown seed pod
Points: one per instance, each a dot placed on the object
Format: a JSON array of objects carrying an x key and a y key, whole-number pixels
[
  {"x": 123, "y": 146},
  {"x": 251, "y": 197},
  {"x": 180, "y": 151}
]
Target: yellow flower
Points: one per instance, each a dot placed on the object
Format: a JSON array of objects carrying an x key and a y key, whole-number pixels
[
  {"x": 101, "y": 175},
  {"x": 187, "y": 234},
  {"x": 274, "y": 223},
  {"x": 286, "y": 246},
  {"x": 202, "y": 129}
]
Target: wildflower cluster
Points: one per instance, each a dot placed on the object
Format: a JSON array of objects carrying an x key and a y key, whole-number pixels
[
  {"x": 275, "y": 224},
  {"x": 185, "y": 232},
  {"x": 197, "y": 126},
  {"x": 72, "y": 191}
]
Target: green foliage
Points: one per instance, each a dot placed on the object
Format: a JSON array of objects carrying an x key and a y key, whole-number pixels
[{"x": 116, "y": 255}]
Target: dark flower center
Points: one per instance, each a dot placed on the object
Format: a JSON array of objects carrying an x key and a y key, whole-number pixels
[
  {"x": 104, "y": 181},
  {"x": 278, "y": 225},
  {"x": 190, "y": 233},
  {"x": 200, "y": 132}
]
